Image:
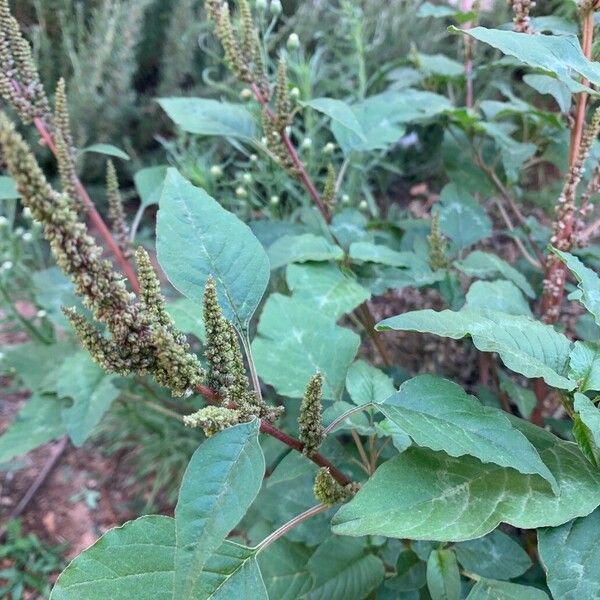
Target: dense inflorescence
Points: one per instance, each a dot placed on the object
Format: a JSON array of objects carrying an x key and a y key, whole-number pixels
[
  {"x": 116, "y": 213},
  {"x": 310, "y": 422},
  {"x": 328, "y": 491}
]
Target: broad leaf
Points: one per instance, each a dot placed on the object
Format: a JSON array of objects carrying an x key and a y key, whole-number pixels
[
  {"x": 294, "y": 342},
  {"x": 137, "y": 559},
  {"x": 584, "y": 366},
  {"x": 490, "y": 589},
  {"x": 302, "y": 248},
  {"x": 461, "y": 218},
  {"x": 528, "y": 347},
  {"x": 343, "y": 568},
  {"x": 427, "y": 495},
  {"x": 546, "y": 84},
  {"x": 339, "y": 112},
  {"x": 489, "y": 266},
  {"x": 369, "y": 252},
  {"x": 411, "y": 572},
  {"x": 588, "y": 282},
  {"x": 367, "y": 384},
  {"x": 570, "y": 555},
  {"x": 495, "y": 555},
  {"x": 188, "y": 317},
  {"x": 330, "y": 290},
  {"x": 210, "y": 117},
  {"x": 92, "y": 392},
  {"x": 38, "y": 422},
  {"x": 443, "y": 577},
  {"x": 502, "y": 296},
  {"x": 561, "y": 55},
  {"x": 148, "y": 184},
  {"x": 589, "y": 415},
  {"x": 217, "y": 244},
  {"x": 107, "y": 150},
  {"x": 221, "y": 481},
  {"x": 285, "y": 570},
  {"x": 523, "y": 398},
  {"x": 439, "y": 414},
  {"x": 53, "y": 289}
]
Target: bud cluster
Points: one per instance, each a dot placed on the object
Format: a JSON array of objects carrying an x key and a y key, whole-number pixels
[
  {"x": 328, "y": 491},
  {"x": 310, "y": 422},
  {"x": 116, "y": 213},
  {"x": 437, "y": 245}
]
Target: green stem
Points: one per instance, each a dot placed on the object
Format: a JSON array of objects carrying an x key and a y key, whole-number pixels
[{"x": 24, "y": 322}]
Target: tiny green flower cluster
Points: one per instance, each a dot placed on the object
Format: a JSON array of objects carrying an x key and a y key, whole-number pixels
[
  {"x": 142, "y": 339},
  {"x": 283, "y": 105},
  {"x": 330, "y": 492},
  {"x": 437, "y": 245},
  {"x": 310, "y": 421},
  {"x": 116, "y": 213},
  {"x": 65, "y": 155},
  {"x": 20, "y": 83},
  {"x": 329, "y": 190},
  {"x": 212, "y": 419},
  {"x": 226, "y": 373}
]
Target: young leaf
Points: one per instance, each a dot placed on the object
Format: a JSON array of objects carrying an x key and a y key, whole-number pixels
[
  {"x": 38, "y": 422},
  {"x": 427, "y": 495},
  {"x": 217, "y": 244},
  {"x": 107, "y": 150},
  {"x": 443, "y": 577},
  {"x": 92, "y": 392},
  {"x": 339, "y": 112},
  {"x": 570, "y": 555},
  {"x": 588, "y": 282},
  {"x": 221, "y": 481},
  {"x": 439, "y": 414},
  {"x": 294, "y": 342},
  {"x": 502, "y": 296},
  {"x": 590, "y": 417},
  {"x": 367, "y": 384},
  {"x": 343, "y": 568},
  {"x": 327, "y": 288},
  {"x": 584, "y": 366},
  {"x": 546, "y": 84},
  {"x": 489, "y": 266},
  {"x": 302, "y": 248},
  {"x": 489, "y": 589},
  {"x": 377, "y": 253},
  {"x": 148, "y": 184},
  {"x": 523, "y": 398},
  {"x": 210, "y": 117},
  {"x": 528, "y": 347},
  {"x": 495, "y": 555}
]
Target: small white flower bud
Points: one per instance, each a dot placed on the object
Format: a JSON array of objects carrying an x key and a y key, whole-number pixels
[
  {"x": 41, "y": 314},
  {"x": 3, "y": 221},
  {"x": 27, "y": 236},
  {"x": 247, "y": 178},
  {"x": 306, "y": 143},
  {"x": 241, "y": 192},
  {"x": 261, "y": 5},
  {"x": 216, "y": 171},
  {"x": 274, "y": 201},
  {"x": 246, "y": 94},
  {"x": 276, "y": 7},
  {"x": 293, "y": 41},
  {"x": 363, "y": 205},
  {"x": 345, "y": 199},
  {"x": 27, "y": 213},
  {"x": 253, "y": 158},
  {"x": 7, "y": 265},
  {"x": 295, "y": 93},
  {"x": 19, "y": 231},
  {"x": 329, "y": 148}
]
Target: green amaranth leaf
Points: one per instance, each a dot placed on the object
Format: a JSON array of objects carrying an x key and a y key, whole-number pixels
[
  {"x": 339, "y": 112},
  {"x": 149, "y": 182},
  {"x": 137, "y": 561},
  {"x": 294, "y": 341},
  {"x": 107, "y": 150},
  {"x": 302, "y": 248},
  {"x": 92, "y": 392},
  {"x": 584, "y": 366},
  {"x": 523, "y": 398},
  {"x": 367, "y": 384},
  {"x": 528, "y": 347},
  {"x": 217, "y": 244},
  {"x": 37, "y": 423},
  {"x": 587, "y": 280},
  {"x": 377, "y": 253},
  {"x": 443, "y": 577},
  {"x": 285, "y": 570},
  {"x": 326, "y": 287},
  {"x": 489, "y": 266},
  {"x": 222, "y": 479},
  {"x": 589, "y": 414},
  {"x": 559, "y": 54},
  {"x": 210, "y": 117},
  {"x": 570, "y": 555},
  {"x": 546, "y": 84},
  {"x": 188, "y": 317},
  {"x": 489, "y": 589},
  {"x": 494, "y": 555},
  {"x": 439, "y": 414},
  {"x": 8, "y": 188},
  {"x": 502, "y": 296},
  {"x": 427, "y": 495},
  {"x": 344, "y": 569}
]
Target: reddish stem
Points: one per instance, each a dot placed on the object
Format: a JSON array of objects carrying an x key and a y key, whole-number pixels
[
  {"x": 95, "y": 217},
  {"x": 269, "y": 429},
  {"x": 298, "y": 164}
]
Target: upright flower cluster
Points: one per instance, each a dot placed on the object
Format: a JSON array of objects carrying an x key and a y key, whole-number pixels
[
  {"x": 116, "y": 213},
  {"x": 437, "y": 245},
  {"x": 20, "y": 83},
  {"x": 328, "y": 491},
  {"x": 521, "y": 19},
  {"x": 142, "y": 340},
  {"x": 310, "y": 422}
]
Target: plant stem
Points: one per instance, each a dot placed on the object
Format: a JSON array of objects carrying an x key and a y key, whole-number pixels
[
  {"x": 95, "y": 218},
  {"x": 24, "y": 322},
  {"x": 287, "y": 527}
]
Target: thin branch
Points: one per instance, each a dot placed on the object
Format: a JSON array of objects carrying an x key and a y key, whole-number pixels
[{"x": 287, "y": 527}]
